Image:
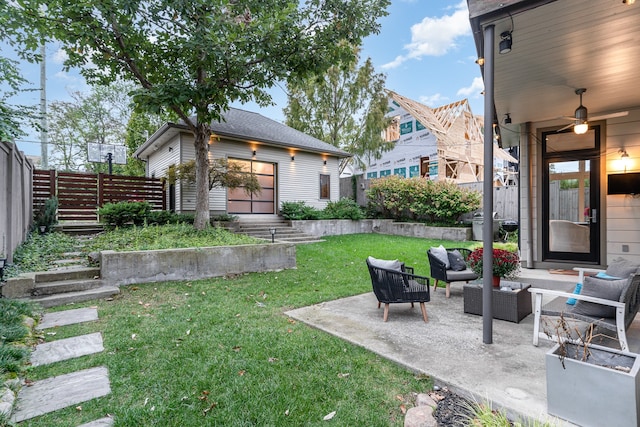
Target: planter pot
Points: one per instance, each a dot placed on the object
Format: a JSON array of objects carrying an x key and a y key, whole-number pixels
[
  {"x": 496, "y": 281},
  {"x": 591, "y": 393}
]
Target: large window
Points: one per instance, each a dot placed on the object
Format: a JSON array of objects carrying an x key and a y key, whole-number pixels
[{"x": 325, "y": 187}]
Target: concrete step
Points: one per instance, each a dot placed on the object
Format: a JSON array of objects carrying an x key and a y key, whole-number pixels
[
  {"x": 73, "y": 297},
  {"x": 64, "y": 286},
  {"x": 79, "y": 229},
  {"x": 67, "y": 348},
  {"x": 51, "y": 394},
  {"x": 78, "y": 273},
  {"x": 67, "y": 317}
]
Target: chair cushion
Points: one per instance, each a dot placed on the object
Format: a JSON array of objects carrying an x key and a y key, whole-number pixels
[
  {"x": 599, "y": 288},
  {"x": 456, "y": 260},
  {"x": 621, "y": 267},
  {"x": 441, "y": 254},
  {"x": 386, "y": 264},
  {"x": 461, "y": 276}
]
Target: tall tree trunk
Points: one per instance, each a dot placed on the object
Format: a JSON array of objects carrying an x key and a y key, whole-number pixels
[{"x": 201, "y": 144}]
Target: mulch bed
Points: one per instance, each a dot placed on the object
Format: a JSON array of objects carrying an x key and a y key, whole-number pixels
[{"x": 453, "y": 410}]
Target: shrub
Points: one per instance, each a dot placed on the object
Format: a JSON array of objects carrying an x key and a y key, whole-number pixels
[
  {"x": 298, "y": 210},
  {"x": 160, "y": 218},
  {"x": 418, "y": 199},
  {"x": 343, "y": 209},
  {"x": 124, "y": 213},
  {"x": 46, "y": 215}
]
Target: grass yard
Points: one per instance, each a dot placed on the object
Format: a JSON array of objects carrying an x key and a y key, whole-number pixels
[{"x": 221, "y": 351}]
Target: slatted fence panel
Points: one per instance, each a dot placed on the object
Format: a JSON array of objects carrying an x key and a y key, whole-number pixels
[
  {"x": 116, "y": 188},
  {"x": 44, "y": 187},
  {"x": 77, "y": 197},
  {"x": 80, "y": 195}
]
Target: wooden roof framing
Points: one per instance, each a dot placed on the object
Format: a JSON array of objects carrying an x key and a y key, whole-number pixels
[{"x": 459, "y": 135}]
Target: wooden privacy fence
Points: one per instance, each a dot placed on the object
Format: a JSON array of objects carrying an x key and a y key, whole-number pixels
[{"x": 80, "y": 194}]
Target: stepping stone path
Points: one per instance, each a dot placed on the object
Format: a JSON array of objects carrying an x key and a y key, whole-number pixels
[{"x": 51, "y": 394}]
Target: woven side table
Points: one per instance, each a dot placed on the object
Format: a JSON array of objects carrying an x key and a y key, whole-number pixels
[{"x": 511, "y": 305}]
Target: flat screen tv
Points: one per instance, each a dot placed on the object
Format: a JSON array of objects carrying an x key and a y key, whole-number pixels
[{"x": 624, "y": 183}]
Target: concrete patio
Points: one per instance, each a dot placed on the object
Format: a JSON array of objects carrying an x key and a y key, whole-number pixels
[{"x": 510, "y": 372}]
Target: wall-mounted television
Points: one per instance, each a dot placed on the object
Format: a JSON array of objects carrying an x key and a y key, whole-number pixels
[{"x": 624, "y": 183}]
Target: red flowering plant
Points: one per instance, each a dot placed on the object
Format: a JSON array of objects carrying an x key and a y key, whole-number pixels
[{"x": 505, "y": 263}]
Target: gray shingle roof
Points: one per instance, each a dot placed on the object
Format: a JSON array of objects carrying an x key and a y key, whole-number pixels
[{"x": 254, "y": 126}]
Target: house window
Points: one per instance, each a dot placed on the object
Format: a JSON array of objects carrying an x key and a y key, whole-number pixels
[{"x": 325, "y": 192}]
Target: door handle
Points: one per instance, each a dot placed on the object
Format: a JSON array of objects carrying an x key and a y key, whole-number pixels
[{"x": 594, "y": 216}]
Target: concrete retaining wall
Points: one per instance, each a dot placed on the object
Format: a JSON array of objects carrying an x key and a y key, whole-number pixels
[
  {"x": 123, "y": 268},
  {"x": 334, "y": 227}
]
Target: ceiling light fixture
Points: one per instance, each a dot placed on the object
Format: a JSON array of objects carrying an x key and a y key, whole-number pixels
[
  {"x": 505, "y": 43},
  {"x": 581, "y": 126}
]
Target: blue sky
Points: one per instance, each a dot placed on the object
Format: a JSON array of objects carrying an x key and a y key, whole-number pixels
[{"x": 425, "y": 48}]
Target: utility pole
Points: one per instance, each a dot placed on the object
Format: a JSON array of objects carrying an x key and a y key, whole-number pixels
[{"x": 44, "y": 153}]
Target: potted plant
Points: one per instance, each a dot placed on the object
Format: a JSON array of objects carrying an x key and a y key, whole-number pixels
[
  {"x": 505, "y": 264},
  {"x": 589, "y": 384}
]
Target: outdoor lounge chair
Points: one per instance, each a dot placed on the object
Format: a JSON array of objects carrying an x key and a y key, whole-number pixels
[
  {"x": 440, "y": 271},
  {"x": 604, "y": 303},
  {"x": 393, "y": 285}
]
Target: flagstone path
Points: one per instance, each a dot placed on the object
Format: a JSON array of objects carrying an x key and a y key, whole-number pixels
[{"x": 51, "y": 394}]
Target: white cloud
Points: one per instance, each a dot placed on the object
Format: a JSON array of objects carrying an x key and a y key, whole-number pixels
[
  {"x": 59, "y": 56},
  {"x": 476, "y": 87},
  {"x": 434, "y": 101},
  {"x": 435, "y": 36}
]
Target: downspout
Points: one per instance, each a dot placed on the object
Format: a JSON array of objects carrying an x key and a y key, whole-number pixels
[{"x": 487, "y": 208}]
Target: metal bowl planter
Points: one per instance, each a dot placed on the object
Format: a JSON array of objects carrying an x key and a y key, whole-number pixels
[{"x": 604, "y": 390}]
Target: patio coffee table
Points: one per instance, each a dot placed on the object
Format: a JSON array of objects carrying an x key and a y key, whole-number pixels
[{"x": 512, "y": 305}]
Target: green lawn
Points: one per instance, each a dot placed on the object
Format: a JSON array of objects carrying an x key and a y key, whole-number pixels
[{"x": 221, "y": 351}]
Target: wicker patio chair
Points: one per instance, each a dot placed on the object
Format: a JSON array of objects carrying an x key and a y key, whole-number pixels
[
  {"x": 440, "y": 272},
  {"x": 392, "y": 286}
]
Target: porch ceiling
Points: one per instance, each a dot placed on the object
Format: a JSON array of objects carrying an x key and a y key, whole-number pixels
[{"x": 560, "y": 46}]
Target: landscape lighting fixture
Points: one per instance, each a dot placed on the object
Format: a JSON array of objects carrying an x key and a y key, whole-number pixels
[
  {"x": 505, "y": 43},
  {"x": 272, "y": 230}
]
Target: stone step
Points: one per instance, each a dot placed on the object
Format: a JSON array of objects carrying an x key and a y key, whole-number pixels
[
  {"x": 51, "y": 394},
  {"x": 77, "y": 273},
  {"x": 64, "y": 286},
  {"x": 67, "y": 317},
  {"x": 73, "y": 297},
  {"x": 67, "y": 348},
  {"x": 102, "y": 422}
]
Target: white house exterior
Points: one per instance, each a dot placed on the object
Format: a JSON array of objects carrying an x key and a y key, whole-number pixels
[
  {"x": 555, "y": 51},
  {"x": 290, "y": 165}
]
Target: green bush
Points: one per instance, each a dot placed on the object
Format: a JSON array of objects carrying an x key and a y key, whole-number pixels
[
  {"x": 418, "y": 199},
  {"x": 124, "y": 213},
  {"x": 160, "y": 218},
  {"x": 46, "y": 215},
  {"x": 343, "y": 209},
  {"x": 298, "y": 210}
]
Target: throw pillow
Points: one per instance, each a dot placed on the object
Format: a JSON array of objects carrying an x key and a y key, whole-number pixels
[
  {"x": 456, "y": 261},
  {"x": 606, "y": 289},
  {"x": 577, "y": 290},
  {"x": 605, "y": 276},
  {"x": 621, "y": 267},
  {"x": 441, "y": 254},
  {"x": 386, "y": 264}
]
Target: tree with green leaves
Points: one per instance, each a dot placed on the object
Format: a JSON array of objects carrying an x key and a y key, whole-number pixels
[
  {"x": 12, "y": 115},
  {"x": 230, "y": 174},
  {"x": 345, "y": 106},
  {"x": 196, "y": 57},
  {"x": 141, "y": 125},
  {"x": 99, "y": 116}
]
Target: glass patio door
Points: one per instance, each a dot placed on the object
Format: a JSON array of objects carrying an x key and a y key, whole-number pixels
[{"x": 571, "y": 220}]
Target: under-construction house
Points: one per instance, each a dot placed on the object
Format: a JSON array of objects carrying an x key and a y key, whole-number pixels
[{"x": 435, "y": 143}]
